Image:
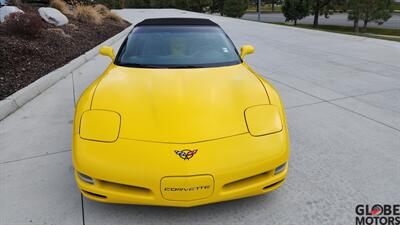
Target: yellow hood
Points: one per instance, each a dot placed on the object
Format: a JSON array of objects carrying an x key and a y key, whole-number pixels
[{"x": 179, "y": 105}]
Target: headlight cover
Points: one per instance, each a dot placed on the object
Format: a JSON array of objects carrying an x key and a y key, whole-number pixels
[
  {"x": 263, "y": 120},
  {"x": 100, "y": 125}
]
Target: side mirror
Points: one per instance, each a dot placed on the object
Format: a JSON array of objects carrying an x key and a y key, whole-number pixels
[
  {"x": 107, "y": 51},
  {"x": 246, "y": 50}
]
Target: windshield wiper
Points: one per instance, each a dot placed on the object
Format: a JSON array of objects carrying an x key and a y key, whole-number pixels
[
  {"x": 185, "y": 67},
  {"x": 138, "y": 65}
]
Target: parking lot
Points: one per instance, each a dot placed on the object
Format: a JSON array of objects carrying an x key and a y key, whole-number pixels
[{"x": 342, "y": 99}]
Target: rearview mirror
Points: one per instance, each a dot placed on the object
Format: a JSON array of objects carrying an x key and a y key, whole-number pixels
[
  {"x": 246, "y": 50},
  {"x": 107, "y": 51}
]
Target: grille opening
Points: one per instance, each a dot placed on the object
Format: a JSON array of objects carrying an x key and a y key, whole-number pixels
[
  {"x": 248, "y": 181},
  {"x": 271, "y": 185},
  {"x": 94, "y": 194},
  {"x": 124, "y": 188}
]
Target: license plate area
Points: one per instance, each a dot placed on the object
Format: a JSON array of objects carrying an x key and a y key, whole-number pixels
[{"x": 187, "y": 188}]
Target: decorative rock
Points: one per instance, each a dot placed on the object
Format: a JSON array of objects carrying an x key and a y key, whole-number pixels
[
  {"x": 53, "y": 16},
  {"x": 7, "y": 10}
]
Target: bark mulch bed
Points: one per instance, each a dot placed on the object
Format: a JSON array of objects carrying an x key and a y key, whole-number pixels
[{"x": 22, "y": 61}]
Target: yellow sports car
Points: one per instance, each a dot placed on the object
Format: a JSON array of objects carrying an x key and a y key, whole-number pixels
[{"x": 178, "y": 119}]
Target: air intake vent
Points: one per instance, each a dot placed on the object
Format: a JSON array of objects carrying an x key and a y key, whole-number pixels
[
  {"x": 140, "y": 191},
  {"x": 248, "y": 181}
]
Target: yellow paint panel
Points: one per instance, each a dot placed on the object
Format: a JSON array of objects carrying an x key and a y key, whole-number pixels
[
  {"x": 180, "y": 105},
  {"x": 263, "y": 119},
  {"x": 100, "y": 125}
]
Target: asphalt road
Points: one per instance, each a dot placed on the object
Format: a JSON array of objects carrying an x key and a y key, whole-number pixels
[
  {"x": 335, "y": 19},
  {"x": 342, "y": 99}
]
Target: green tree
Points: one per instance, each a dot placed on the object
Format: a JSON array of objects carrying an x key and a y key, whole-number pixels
[
  {"x": 319, "y": 8},
  {"x": 366, "y": 11},
  {"x": 217, "y": 6},
  {"x": 112, "y": 4},
  {"x": 235, "y": 8},
  {"x": 137, "y": 3},
  {"x": 182, "y": 4},
  {"x": 199, "y": 5},
  {"x": 294, "y": 10},
  {"x": 162, "y": 3},
  {"x": 192, "y": 5},
  {"x": 354, "y": 13}
]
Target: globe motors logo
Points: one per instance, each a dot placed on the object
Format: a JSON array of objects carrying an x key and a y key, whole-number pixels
[{"x": 377, "y": 214}]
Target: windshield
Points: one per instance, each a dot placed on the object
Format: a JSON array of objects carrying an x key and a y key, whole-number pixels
[{"x": 177, "y": 47}]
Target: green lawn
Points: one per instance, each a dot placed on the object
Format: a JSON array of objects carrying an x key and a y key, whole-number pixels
[
  {"x": 380, "y": 33},
  {"x": 396, "y": 6}
]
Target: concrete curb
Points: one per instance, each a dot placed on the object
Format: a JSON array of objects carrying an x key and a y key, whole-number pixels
[{"x": 21, "y": 97}]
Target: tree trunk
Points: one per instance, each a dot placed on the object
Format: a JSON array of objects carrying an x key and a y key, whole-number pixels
[
  {"x": 295, "y": 22},
  {"x": 365, "y": 26},
  {"x": 273, "y": 5},
  {"x": 122, "y": 4},
  {"x": 316, "y": 15},
  {"x": 356, "y": 26}
]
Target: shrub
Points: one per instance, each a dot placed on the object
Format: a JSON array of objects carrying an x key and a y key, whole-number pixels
[
  {"x": 86, "y": 13},
  {"x": 115, "y": 17},
  {"x": 60, "y": 5},
  {"x": 235, "y": 8},
  {"x": 24, "y": 24},
  {"x": 102, "y": 9}
]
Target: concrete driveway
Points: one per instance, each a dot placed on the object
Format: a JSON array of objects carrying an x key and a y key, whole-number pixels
[
  {"x": 339, "y": 19},
  {"x": 342, "y": 98}
]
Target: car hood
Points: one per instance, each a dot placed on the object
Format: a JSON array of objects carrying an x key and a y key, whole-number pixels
[{"x": 179, "y": 105}]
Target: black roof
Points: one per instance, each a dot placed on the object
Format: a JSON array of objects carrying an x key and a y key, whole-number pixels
[{"x": 176, "y": 21}]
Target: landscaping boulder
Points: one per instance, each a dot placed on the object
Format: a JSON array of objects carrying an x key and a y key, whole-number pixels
[
  {"x": 7, "y": 10},
  {"x": 52, "y": 15}
]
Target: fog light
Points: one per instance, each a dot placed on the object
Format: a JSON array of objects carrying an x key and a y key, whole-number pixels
[
  {"x": 280, "y": 168},
  {"x": 85, "y": 178}
]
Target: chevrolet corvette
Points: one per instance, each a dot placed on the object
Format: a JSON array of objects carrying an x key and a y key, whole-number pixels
[{"x": 179, "y": 119}]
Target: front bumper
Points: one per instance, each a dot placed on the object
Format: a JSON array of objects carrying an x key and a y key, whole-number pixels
[{"x": 131, "y": 172}]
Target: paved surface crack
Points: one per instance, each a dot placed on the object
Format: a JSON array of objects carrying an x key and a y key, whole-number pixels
[
  {"x": 298, "y": 106},
  {"x": 330, "y": 102},
  {"x": 73, "y": 88},
  {"x": 33, "y": 157},
  {"x": 83, "y": 210},
  {"x": 365, "y": 94},
  {"x": 367, "y": 117}
]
